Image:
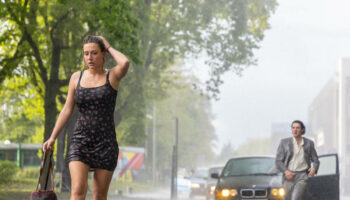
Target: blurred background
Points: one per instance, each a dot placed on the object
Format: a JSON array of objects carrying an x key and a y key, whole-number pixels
[{"x": 233, "y": 73}]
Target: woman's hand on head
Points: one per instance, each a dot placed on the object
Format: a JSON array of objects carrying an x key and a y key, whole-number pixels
[
  {"x": 48, "y": 145},
  {"x": 107, "y": 45}
]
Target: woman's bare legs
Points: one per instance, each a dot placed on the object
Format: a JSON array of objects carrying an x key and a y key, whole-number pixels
[
  {"x": 79, "y": 178},
  {"x": 102, "y": 179}
]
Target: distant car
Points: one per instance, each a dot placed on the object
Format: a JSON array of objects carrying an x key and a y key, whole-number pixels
[
  {"x": 198, "y": 182},
  {"x": 211, "y": 182},
  {"x": 183, "y": 182},
  {"x": 256, "y": 178}
]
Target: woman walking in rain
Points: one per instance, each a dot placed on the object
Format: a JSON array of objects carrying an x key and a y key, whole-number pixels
[{"x": 94, "y": 146}]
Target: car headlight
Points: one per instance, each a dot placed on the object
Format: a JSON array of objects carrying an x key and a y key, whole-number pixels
[
  {"x": 227, "y": 193},
  {"x": 281, "y": 192},
  {"x": 212, "y": 189},
  {"x": 195, "y": 185}
]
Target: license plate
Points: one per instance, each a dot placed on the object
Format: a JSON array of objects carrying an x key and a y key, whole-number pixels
[{"x": 254, "y": 199}]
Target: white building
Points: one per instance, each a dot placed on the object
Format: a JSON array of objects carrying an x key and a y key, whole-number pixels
[{"x": 329, "y": 120}]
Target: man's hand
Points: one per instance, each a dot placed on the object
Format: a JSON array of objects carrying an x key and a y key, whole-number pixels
[
  {"x": 289, "y": 175},
  {"x": 312, "y": 171}
]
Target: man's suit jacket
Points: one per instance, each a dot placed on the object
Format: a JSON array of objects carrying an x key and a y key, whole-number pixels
[{"x": 285, "y": 154}]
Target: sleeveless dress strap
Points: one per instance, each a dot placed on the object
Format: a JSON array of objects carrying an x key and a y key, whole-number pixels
[
  {"x": 107, "y": 76},
  {"x": 81, "y": 75}
]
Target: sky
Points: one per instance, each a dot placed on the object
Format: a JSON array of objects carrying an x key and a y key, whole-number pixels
[{"x": 299, "y": 54}]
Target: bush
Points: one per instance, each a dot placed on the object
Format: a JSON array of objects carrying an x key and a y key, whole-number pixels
[
  {"x": 8, "y": 171},
  {"x": 31, "y": 173}
]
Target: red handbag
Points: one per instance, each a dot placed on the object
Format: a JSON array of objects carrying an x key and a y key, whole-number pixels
[{"x": 46, "y": 163}]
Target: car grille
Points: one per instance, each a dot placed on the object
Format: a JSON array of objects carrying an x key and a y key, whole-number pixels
[
  {"x": 251, "y": 193},
  {"x": 247, "y": 193}
]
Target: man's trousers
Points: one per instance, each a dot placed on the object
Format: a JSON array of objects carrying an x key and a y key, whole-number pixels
[{"x": 296, "y": 188}]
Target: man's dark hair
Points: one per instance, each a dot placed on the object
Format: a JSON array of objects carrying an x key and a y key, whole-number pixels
[{"x": 301, "y": 125}]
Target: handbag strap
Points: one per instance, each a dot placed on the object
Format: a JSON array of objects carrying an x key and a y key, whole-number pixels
[{"x": 49, "y": 171}]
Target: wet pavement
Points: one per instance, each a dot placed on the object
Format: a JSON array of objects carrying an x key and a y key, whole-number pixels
[{"x": 161, "y": 194}]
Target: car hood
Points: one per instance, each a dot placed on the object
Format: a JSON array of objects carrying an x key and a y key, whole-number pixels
[
  {"x": 198, "y": 180},
  {"x": 257, "y": 181},
  {"x": 212, "y": 181}
]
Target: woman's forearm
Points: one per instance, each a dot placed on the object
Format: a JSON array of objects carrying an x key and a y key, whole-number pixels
[
  {"x": 61, "y": 122},
  {"x": 120, "y": 58}
]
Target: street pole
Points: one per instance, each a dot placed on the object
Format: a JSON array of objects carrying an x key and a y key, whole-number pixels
[
  {"x": 147, "y": 150},
  {"x": 176, "y": 153},
  {"x": 154, "y": 143},
  {"x": 174, "y": 162}
]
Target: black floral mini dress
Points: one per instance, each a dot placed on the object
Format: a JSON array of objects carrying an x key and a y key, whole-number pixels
[{"x": 94, "y": 138}]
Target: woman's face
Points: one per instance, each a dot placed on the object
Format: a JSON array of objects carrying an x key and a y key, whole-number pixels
[{"x": 93, "y": 56}]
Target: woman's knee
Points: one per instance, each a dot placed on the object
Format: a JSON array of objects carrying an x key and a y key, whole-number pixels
[
  {"x": 99, "y": 195},
  {"x": 79, "y": 190},
  {"x": 100, "y": 191},
  {"x": 79, "y": 177}
]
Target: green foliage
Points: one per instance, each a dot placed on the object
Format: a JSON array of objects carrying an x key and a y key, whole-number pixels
[
  {"x": 29, "y": 173},
  {"x": 226, "y": 153},
  {"x": 42, "y": 40},
  {"x": 261, "y": 147},
  {"x": 196, "y": 131},
  {"x": 226, "y": 31},
  {"x": 22, "y": 111},
  {"x": 8, "y": 171},
  {"x": 40, "y": 45}
]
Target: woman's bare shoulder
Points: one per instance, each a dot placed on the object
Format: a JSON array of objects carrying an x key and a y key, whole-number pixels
[
  {"x": 75, "y": 78},
  {"x": 75, "y": 75}
]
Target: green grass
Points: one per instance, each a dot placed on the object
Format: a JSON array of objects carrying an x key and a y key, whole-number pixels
[
  {"x": 20, "y": 195},
  {"x": 21, "y": 188},
  {"x": 17, "y": 189},
  {"x": 23, "y": 185}
]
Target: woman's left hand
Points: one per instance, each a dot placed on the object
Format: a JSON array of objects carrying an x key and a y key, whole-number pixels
[{"x": 107, "y": 45}]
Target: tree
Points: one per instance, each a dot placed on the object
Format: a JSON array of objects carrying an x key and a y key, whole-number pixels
[
  {"x": 225, "y": 31},
  {"x": 226, "y": 153},
  {"x": 196, "y": 132},
  {"x": 21, "y": 113},
  {"x": 261, "y": 147},
  {"x": 43, "y": 38},
  {"x": 169, "y": 31}
]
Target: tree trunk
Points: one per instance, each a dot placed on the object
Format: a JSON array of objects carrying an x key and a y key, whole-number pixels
[
  {"x": 61, "y": 143},
  {"x": 66, "y": 182},
  {"x": 50, "y": 107},
  {"x": 52, "y": 89}
]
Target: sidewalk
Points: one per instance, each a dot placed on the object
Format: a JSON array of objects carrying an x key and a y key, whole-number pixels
[{"x": 160, "y": 194}]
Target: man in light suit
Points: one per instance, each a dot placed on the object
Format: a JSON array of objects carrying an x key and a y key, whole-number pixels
[{"x": 297, "y": 159}]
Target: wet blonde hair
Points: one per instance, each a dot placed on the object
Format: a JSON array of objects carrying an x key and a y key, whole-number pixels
[{"x": 99, "y": 42}]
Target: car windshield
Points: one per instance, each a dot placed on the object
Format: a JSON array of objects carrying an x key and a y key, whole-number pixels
[
  {"x": 200, "y": 173},
  {"x": 248, "y": 166},
  {"x": 214, "y": 170},
  {"x": 182, "y": 173}
]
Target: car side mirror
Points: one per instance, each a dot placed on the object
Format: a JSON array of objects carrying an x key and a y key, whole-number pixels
[{"x": 214, "y": 175}]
